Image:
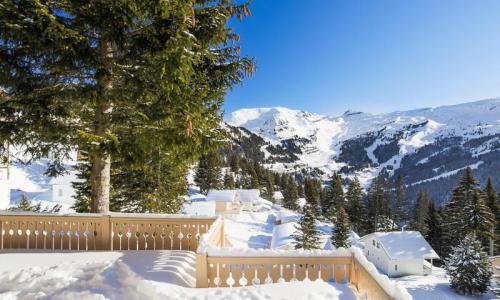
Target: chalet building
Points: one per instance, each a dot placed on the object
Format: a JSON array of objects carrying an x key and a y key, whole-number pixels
[
  {"x": 399, "y": 253},
  {"x": 248, "y": 198},
  {"x": 226, "y": 201}
]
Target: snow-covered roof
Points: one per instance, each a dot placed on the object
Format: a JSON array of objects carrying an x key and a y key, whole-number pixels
[
  {"x": 286, "y": 215},
  {"x": 277, "y": 195},
  {"x": 248, "y": 195},
  {"x": 282, "y": 235},
  {"x": 199, "y": 208},
  {"x": 404, "y": 244},
  {"x": 65, "y": 179},
  {"x": 221, "y": 195}
]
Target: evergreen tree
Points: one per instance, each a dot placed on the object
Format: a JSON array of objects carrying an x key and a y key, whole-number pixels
[
  {"x": 277, "y": 178},
  {"x": 434, "y": 228},
  {"x": 469, "y": 267},
  {"x": 340, "y": 233},
  {"x": 400, "y": 206},
  {"x": 234, "y": 163},
  {"x": 82, "y": 188},
  {"x": 479, "y": 218},
  {"x": 24, "y": 204},
  {"x": 463, "y": 212},
  {"x": 156, "y": 187},
  {"x": 333, "y": 195},
  {"x": 290, "y": 195},
  {"x": 355, "y": 206},
  {"x": 208, "y": 175},
  {"x": 420, "y": 213},
  {"x": 254, "y": 182},
  {"x": 269, "y": 191},
  {"x": 493, "y": 202},
  {"x": 379, "y": 212},
  {"x": 229, "y": 183},
  {"x": 300, "y": 190},
  {"x": 312, "y": 189},
  {"x": 307, "y": 236},
  {"x": 108, "y": 77}
]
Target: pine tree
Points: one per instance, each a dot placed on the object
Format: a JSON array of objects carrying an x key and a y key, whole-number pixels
[
  {"x": 82, "y": 188},
  {"x": 340, "y": 233},
  {"x": 312, "y": 190},
  {"x": 290, "y": 195},
  {"x": 234, "y": 163},
  {"x": 24, "y": 204},
  {"x": 479, "y": 218},
  {"x": 208, "y": 175},
  {"x": 333, "y": 195},
  {"x": 420, "y": 213},
  {"x": 493, "y": 202},
  {"x": 229, "y": 183},
  {"x": 156, "y": 187},
  {"x": 355, "y": 206},
  {"x": 469, "y": 267},
  {"x": 269, "y": 182},
  {"x": 307, "y": 236},
  {"x": 300, "y": 190},
  {"x": 434, "y": 225},
  {"x": 379, "y": 212},
  {"x": 462, "y": 212},
  {"x": 400, "y": 207},
  {"x": 106, "y": 77},
  {"x": 254, "y": 182}
]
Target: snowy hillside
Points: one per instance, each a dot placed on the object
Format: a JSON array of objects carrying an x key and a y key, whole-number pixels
[{"x": 424, "y": 145}]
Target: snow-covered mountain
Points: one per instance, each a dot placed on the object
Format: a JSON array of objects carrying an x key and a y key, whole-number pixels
[{"x": 429, "y": 146}]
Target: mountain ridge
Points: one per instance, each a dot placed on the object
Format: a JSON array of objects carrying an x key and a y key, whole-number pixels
[{"x": 411, "y": 143}]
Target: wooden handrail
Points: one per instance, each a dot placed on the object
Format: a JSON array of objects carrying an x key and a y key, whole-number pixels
[{"x": 21, "y": 230}]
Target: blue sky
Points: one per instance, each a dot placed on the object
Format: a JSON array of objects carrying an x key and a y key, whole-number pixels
[{"x": 327, "y": 56}]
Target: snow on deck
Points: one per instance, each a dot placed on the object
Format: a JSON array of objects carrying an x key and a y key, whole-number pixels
[{"x": 133, "y": 275}]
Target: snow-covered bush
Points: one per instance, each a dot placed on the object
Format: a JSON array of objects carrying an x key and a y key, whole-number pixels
[{"x": 469, "y": 267}]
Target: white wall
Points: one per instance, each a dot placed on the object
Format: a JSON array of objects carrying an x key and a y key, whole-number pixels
[
  {"x": 200, "y": 208},
  {"x": 381, "y": 260},
  {"x": 406, "y": 267},
  {"x": 63, "y": 193},
  {"x": 4, "y": 194},
  {"x": 377, "y": 256}
]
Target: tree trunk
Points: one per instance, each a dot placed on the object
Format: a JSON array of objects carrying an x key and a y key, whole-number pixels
[
  {"x": 100, "y": 182},
  {"x": 100, "y": 176}
]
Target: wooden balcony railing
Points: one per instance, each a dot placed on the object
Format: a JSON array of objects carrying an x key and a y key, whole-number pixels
[{"x": 101, "y": 232}]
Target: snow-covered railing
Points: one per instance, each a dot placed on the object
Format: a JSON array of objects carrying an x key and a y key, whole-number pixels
[
  {"x": 236, "y": 271},
  {"x": 114, "y": 231},
  {"x": 370, "y": 283},
  {"x": 231, "y": 267}
]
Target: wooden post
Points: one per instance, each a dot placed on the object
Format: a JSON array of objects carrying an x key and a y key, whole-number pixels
[
  {"x": 1, "y": 234},
  {"x": 222, "y": 234},
  {"x": 352, "y": 273},
  {"x": 105, "y": 239},
  {"x": 201, "y": 270}
]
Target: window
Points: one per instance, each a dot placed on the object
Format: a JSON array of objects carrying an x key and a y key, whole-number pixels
[
  {"x": 395, "y": 267},
  {"x": 60, "y": 193}
]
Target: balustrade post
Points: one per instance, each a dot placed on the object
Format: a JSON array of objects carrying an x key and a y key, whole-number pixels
[
  {"x": 201, "y": 270},
  {"x": 223, "y": 234},
  {"x": 1, "y": 234},
  {"x": 352, "y": 271},
  {"x": 105, "y": 238}
]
